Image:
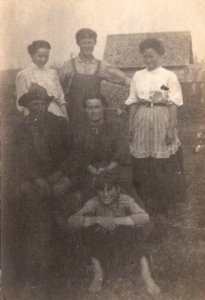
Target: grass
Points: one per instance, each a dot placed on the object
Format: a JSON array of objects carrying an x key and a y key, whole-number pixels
[{"x": 178, "y": 258}]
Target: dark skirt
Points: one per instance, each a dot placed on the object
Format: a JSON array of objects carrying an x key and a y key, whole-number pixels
[{"x": 160, "y": 182}]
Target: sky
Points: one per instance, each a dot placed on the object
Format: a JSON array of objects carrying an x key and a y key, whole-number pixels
[{"x": 57, "y": 21}]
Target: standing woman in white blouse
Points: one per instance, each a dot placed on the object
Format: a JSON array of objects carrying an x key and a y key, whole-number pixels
[
  {"x": 155, "y": 95},
  {"x": 37, "y": 72}
]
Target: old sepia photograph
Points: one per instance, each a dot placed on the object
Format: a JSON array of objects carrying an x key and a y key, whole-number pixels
[{"x": 102, "y": 149}]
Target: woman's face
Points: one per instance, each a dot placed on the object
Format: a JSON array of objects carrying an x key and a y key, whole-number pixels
[
  {"x": 87, "y": 46},
  {"x": 151, "y": 58},
  {"x": 40, "y": 57},
  {"x": 94, "y": 110}
]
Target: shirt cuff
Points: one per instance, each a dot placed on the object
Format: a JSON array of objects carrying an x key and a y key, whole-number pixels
[
  {"x": 130, "y": 101},
  {"x": 177, "y": 102}
]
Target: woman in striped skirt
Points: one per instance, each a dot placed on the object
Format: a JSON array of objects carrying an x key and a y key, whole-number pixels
[{"x": 155, "y": 95}]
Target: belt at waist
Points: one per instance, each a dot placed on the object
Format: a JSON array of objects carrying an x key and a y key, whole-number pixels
[{"x": 151, "y": 104}]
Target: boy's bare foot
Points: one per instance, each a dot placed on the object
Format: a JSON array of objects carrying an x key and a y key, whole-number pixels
[
  {"x": 151, "y": 286},
  {"x": 96, "y": 284}
]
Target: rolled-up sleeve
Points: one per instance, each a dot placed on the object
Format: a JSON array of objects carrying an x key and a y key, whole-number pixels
[
  {"x": 65, "y": 75},
  {"x": 137, "y": 214},
  {"x": 174, "y": 92},
  {"x": 133, "y": 93},
  {"x": 112, "y": 74}
]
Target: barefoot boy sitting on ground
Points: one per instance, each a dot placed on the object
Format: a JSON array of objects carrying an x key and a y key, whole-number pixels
[{"x": 111, "y": 223}]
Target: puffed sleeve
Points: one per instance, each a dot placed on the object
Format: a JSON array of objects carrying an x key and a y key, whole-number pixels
[
  {"x": 21, "y": 89},
  {"x": 174, "y": 92},
  {"x": 60, "y": 99},
  {"x": 112, "y": 74},
  {"x": 133, "y": 93}
]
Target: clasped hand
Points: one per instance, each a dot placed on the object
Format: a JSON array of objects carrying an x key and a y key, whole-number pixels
[{"x": 107, "y": 223}]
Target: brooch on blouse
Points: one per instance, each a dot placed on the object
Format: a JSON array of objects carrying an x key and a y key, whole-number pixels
[{"x": 164, "y": 88}]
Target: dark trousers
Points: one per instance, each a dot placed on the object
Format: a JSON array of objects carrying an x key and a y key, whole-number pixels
[
  {"x": 114, "y": 249},
  {"x": 160, "y": 182},
  {"x": 35, "y": 218}
]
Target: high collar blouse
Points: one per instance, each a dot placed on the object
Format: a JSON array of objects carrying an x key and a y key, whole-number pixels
[
  {"x": 45, "y": 77},
  {"x": 149, "y": 85}
]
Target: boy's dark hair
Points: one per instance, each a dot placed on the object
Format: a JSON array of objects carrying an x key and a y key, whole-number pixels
[
  {"x": 153, "y": 44},
  {"x": 86, "y": 33},
  {"x": 38, "y": 45},
  {"x": 97, "y": 96},
  {"x": 100, "y": 182}
]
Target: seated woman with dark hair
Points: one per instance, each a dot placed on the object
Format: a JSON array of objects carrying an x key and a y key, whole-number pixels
[{"x": 100, "y": 148}]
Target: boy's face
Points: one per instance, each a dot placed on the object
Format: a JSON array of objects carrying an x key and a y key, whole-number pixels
[
  {"x": 108, "y": 195},
  {"x": 87, "y": 46}
]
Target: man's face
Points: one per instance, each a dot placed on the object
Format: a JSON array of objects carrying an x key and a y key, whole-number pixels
[
  {"x": 94, "y": 110},
  {"x": 108, "y": 195},
  {"x": 87, "y": 46},
  {"x": 37, "y": 106}
]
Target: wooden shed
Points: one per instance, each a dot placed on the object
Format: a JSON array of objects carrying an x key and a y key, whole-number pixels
[{"x": 122, "y": 50}]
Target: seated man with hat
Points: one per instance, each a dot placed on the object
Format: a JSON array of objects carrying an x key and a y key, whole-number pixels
[{"x": 43, "y": 144}]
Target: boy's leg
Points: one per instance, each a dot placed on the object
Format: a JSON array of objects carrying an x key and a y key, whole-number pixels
[
  {"x": 151, "y": 286},
  {"x": 140, "y": 239},
  {"x": 97, "y": 281},
  {"x": 96, "y": 243},
  {"x": 131, "y": 242}
]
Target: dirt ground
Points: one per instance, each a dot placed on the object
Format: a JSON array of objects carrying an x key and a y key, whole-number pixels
[{"x": 178, "y": 257}]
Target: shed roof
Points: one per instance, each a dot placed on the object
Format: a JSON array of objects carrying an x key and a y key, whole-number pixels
[{"x": 122, "y": 50}]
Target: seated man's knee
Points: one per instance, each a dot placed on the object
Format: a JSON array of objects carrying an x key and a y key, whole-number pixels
[
  {"x": 41, "y": 186},
  {"x": 58, "y": 190},
  {"x": 26, "y": 188},
  {"x": 62, "y": 188}
]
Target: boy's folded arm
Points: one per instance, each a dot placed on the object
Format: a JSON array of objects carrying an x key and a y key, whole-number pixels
[
  {"x": 138, "y": 219},
  {"x": 124, "y": 221},
  {"x": 80, "y": 219},
  {"x": 77, "y": 221}
]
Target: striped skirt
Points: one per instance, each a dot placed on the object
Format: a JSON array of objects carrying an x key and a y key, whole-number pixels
[
  {"x": 157, "y": 168},
  {"x": 149, "y": 130}
]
